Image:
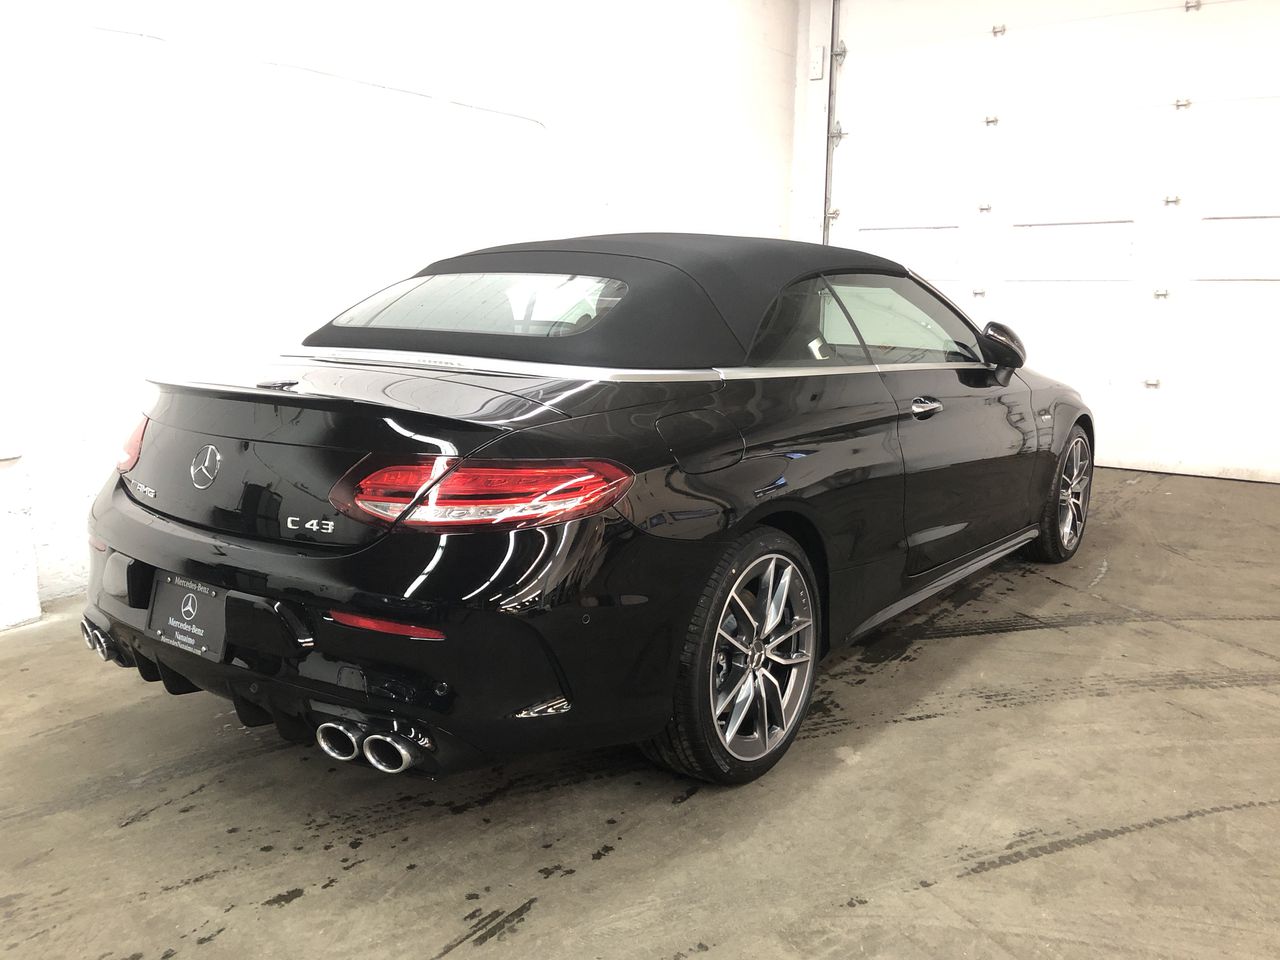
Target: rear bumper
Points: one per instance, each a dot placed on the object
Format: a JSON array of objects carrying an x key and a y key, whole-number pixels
[{"x": 590, "y": 613}]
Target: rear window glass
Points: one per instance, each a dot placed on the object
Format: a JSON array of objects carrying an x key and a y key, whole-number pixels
[{"x": 513, "y": 304}]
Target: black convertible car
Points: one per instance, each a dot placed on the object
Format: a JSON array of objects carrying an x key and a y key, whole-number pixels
[{"x": 579, "y": 492}]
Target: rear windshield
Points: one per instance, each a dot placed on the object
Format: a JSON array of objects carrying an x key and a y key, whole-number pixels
[{"x": 511, "y": 304}]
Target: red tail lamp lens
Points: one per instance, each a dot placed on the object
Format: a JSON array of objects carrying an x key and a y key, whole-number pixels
[
  {"x": 132, "y": 447},
  {"x": 386, "y": 492},
  {"x": 361, "y": 622},
  {"x": 489, "y": 494}
]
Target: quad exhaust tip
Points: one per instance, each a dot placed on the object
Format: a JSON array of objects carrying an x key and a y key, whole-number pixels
[
  {"x": 387, "y": 752},
  {"x": 104, "y": 645},
  {"x": 99, "y": 642},
  {"x": 390, "y": 753},
  {"x": 340, "y": 740}
]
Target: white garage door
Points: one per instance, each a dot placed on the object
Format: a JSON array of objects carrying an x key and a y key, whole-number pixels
[{"x": 1102, "y": 176}]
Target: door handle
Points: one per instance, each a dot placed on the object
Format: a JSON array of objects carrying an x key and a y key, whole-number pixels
[{"x": 922, "y": 408}]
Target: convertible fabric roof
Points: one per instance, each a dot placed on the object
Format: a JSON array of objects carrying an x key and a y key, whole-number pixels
[{"x": 693, "y": 300}]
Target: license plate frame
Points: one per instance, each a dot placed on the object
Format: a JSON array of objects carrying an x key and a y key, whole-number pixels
[{"x": 190, "y": 615}]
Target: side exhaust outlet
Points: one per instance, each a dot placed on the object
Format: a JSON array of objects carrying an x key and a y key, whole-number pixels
[
  {"x": 390, "y": 753},
  {"x": 340, "y": 740},
  {"x": 86, "y": 634}
]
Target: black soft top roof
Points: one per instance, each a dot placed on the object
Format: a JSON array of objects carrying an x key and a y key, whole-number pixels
[{"x": 693, "y": 300}]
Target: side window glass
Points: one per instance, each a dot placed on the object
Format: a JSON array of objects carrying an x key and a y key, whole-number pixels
[
  {"x": 902, "y": 322},
  {"x": 806, "y": 327}
]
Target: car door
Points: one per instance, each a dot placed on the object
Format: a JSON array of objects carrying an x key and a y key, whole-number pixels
[
  {"x": 968, "y": 440},
  {"x": 820, "y": 436}
]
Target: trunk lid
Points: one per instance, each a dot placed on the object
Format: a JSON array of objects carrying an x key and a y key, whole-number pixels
[
  {"x": 257, "y": 454},
  {"x": 284, "y": 433}
]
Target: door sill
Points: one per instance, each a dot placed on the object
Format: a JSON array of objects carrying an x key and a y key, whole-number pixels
[{"x": 962, "y": 569}]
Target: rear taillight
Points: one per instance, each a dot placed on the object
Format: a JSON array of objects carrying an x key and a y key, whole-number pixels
[
  {"x": 386, "y": 492},
  {"x": 132, "y": 447},
  {"x": 488, "y": 494}
]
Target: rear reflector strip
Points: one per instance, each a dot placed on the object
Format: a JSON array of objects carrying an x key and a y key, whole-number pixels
[{"x": 361, "y": 622}]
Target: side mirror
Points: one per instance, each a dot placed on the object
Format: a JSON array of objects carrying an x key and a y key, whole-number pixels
[{"x": 1003, "y": 347}]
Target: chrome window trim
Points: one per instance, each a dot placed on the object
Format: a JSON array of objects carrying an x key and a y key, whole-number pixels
[
  {"x": 464, "y": 364},
  {"x": 967, "y": 365},
  {"x": 767, "y": 373},
  {"x": 754, "y": 373},
  {"x": 567, "y": 371}
]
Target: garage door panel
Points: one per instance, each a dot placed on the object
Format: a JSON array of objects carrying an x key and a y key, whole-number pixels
[
  {"x": 881, "y": 25},
  {"x": 1068, "y": 252},
  {"x": 889, "y": 80},
  {"x": 1105, "y": 174},
  {"x": 1227, "y": 335},
  {"x": 911, "y": 192},
  {"x": 1078, "y": 168},
  {"x": 1245, "y": 248},
  {"x": 903, "y": 174},
  {"x": 1104, "y": 339},
  {"x": 1214, "y": 344},
  {"x": 1070, "y": 331},
  {"x": 1225, "y": 51},
  {"x": 1227, "y": 156},
  {"x": 1057, "y": 67}
]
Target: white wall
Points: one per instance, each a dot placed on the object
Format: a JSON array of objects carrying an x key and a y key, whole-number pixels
[
  {"x": 190, "y": 181},
  {"x": 18, "y": 602},
  {"x": 814, "y": 74}
]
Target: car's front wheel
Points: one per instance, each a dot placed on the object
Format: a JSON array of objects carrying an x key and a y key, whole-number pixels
[
  {"x": 747, "y": 665},
  {"x": 1067, "y": 508}
]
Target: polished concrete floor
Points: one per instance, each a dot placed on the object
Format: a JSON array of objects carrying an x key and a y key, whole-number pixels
[{"x": 1071, "y": 761}]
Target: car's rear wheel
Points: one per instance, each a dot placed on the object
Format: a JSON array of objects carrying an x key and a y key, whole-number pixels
[
  {"x": 1067, "y": 509},
  {"x": 747, "y": 664}
]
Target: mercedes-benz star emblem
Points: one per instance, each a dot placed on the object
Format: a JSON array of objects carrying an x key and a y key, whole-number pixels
[
  {"x": 189, "y": 607},
  {"x": 204, "y": 468}
]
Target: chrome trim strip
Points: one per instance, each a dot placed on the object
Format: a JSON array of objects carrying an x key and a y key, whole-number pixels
[
  {"x": 761, "y": 373},
  {"x": 561, "y": 371},
  {"x": 463, "y": 364},
  {"x": 973, "y": 566},
  {"x": 753, "y": 373},
  {"x": 970, "y": 365}
]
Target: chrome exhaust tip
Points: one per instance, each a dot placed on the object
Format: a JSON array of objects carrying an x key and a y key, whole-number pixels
[
  {"x": 86, "y": 634},
  {"x": 103, "y": 646},
  {"x": 340, "y": 740},
  {"x": 390, "y": 753}
]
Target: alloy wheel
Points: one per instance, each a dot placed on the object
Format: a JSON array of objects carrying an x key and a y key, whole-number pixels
[
  {"x": 1073, "y": 493},
  {"x": 763, "y": 657}
]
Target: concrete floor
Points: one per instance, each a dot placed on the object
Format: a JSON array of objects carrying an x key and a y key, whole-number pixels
[{"x": 1071, "y": 761}]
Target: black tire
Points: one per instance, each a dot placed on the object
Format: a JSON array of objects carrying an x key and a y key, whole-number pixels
[
  {"x": 1051, "y": 546},
  {"x": 693, "y": 741}
]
